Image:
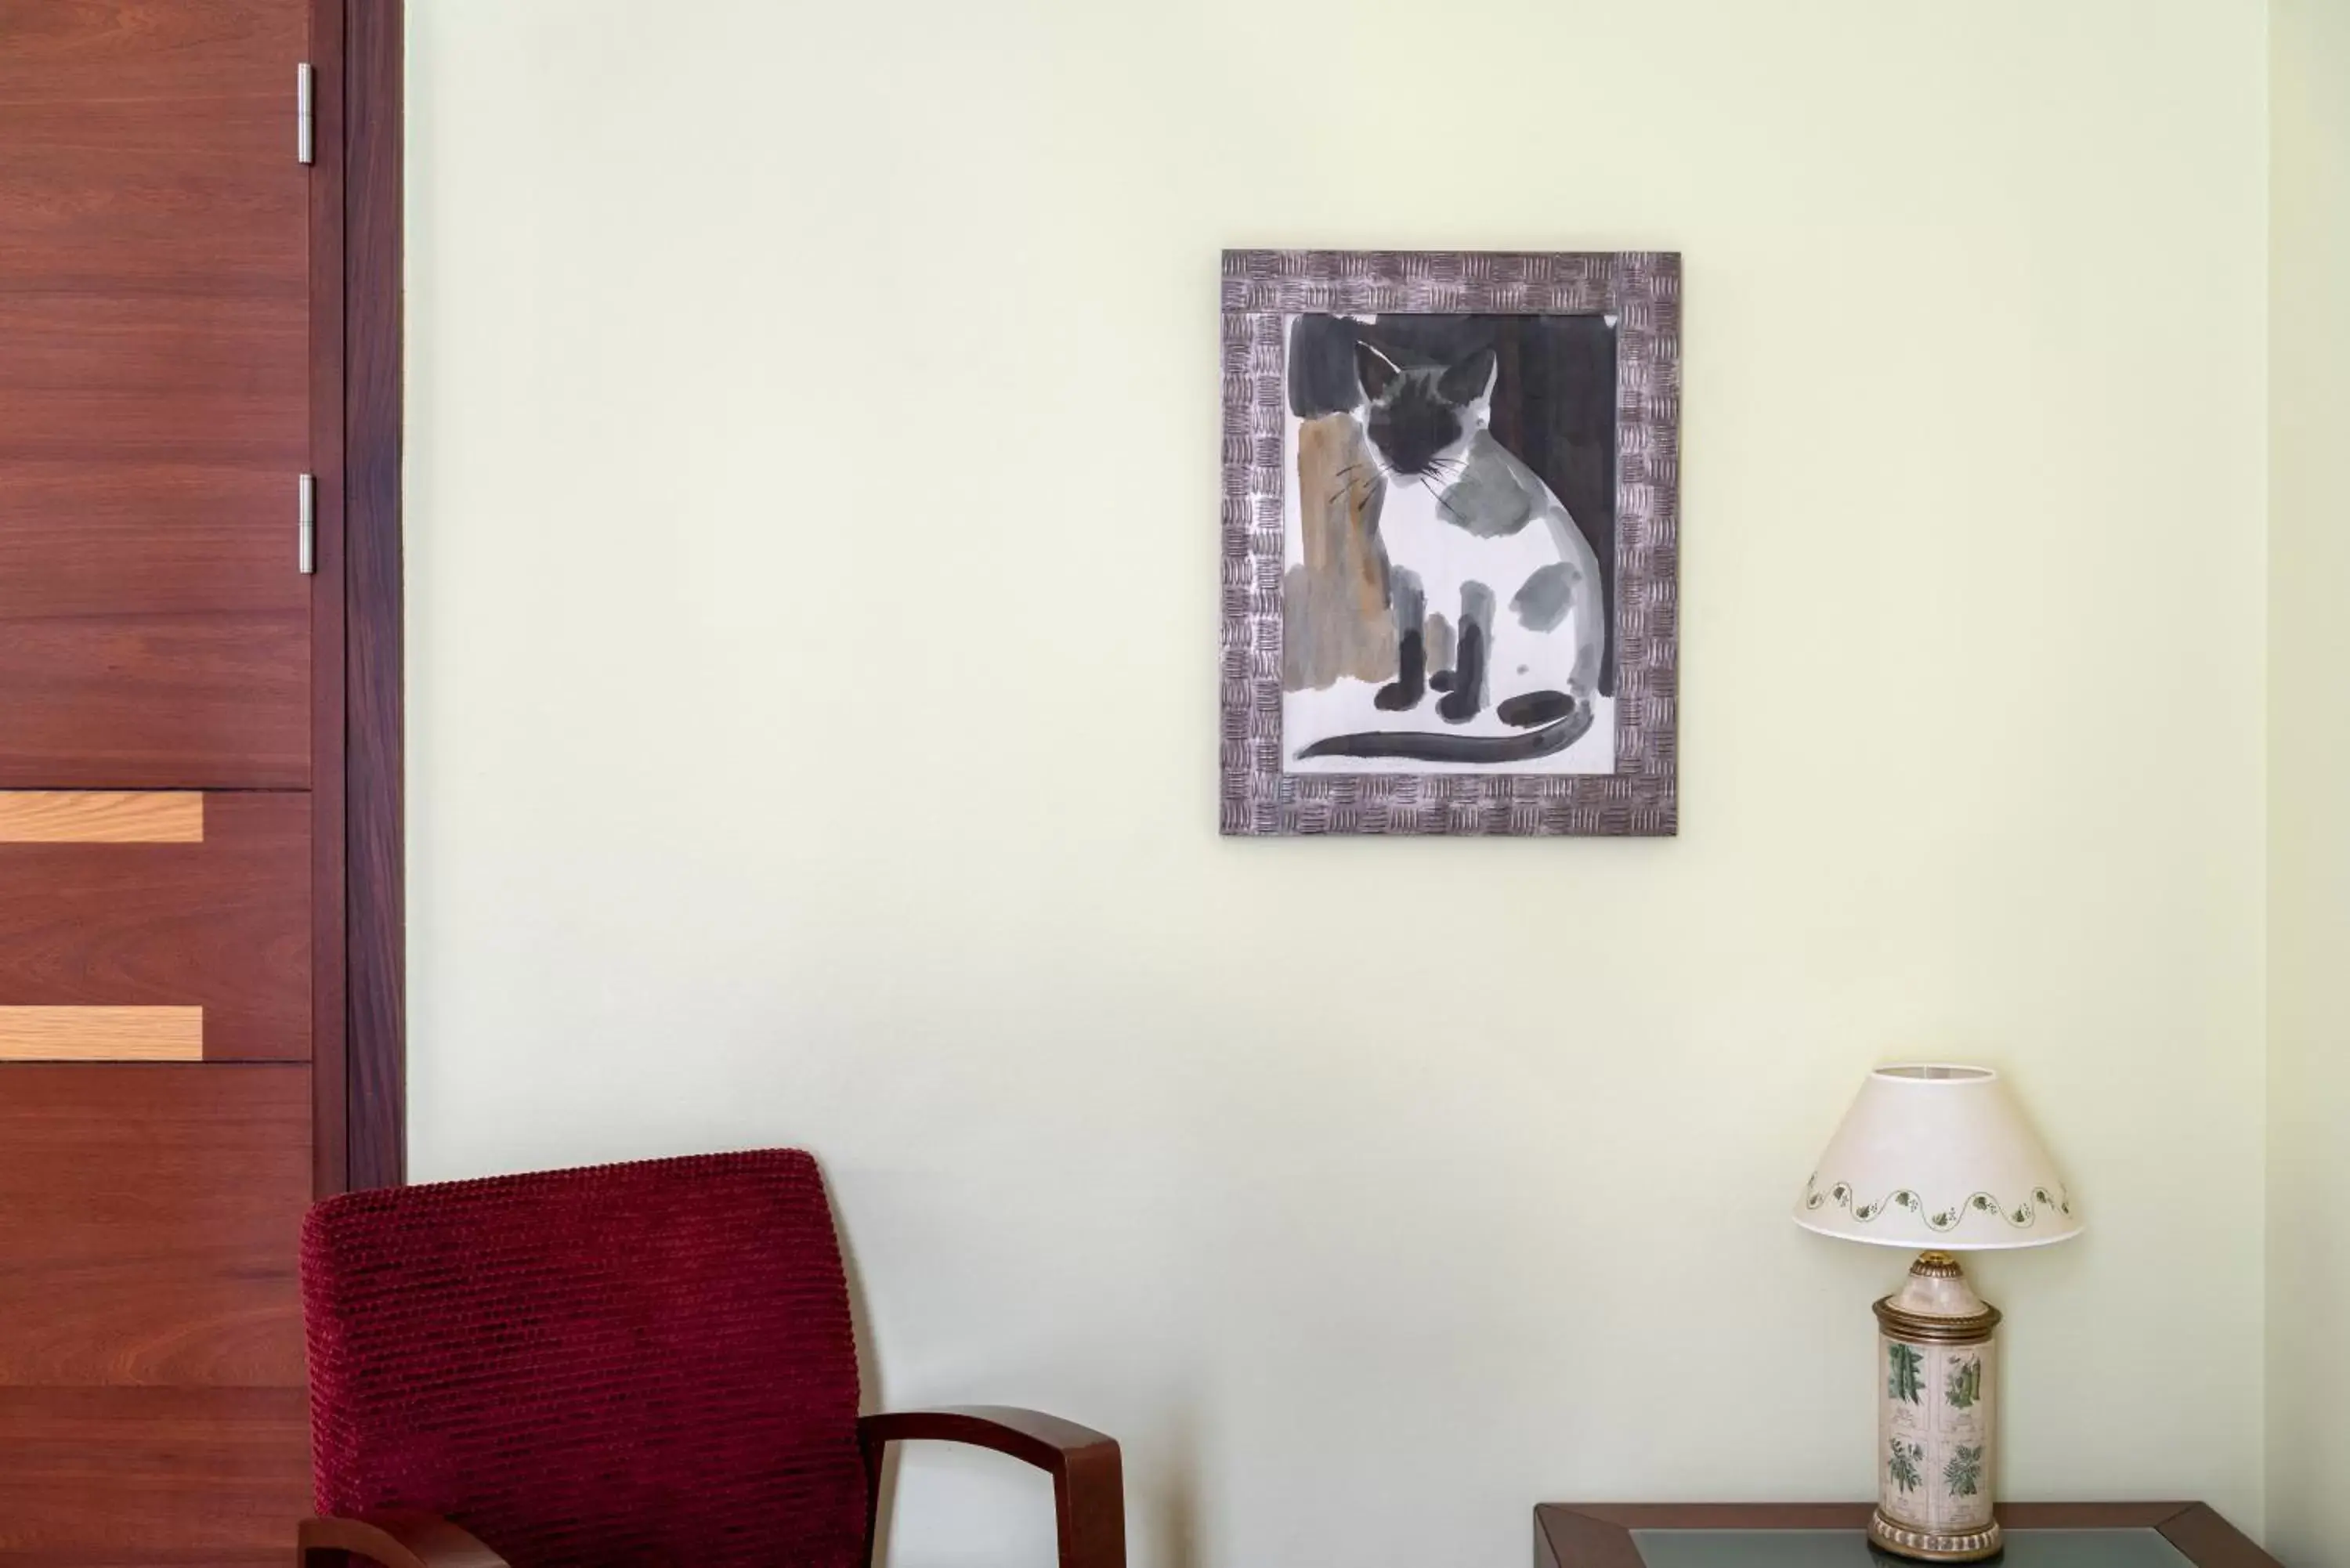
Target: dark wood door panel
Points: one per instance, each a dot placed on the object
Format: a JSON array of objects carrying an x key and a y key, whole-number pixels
[
  {"x": 141, "y": 1557},
  {"x": 91, "y": 53},
  {"x": 167, "y": 204},
  {"x": 222, "y": 925},
  {"x": 207, "y": 613},
  {"x": 72, "y": 550},
  {"x": 128, "y": 378},
  {"x": 154, "y": 395},
  {"x": 154, "y": 701},
  {"x": 133, "y": 207},
  {"x": 151, "y": 1407},
  {"x": 92, "y": 1472},
  {"x": 149, "y": 1220},
  {"x": 204, "y": 365}
]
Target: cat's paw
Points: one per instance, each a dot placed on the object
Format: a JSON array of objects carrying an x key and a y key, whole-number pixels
[
  {"x": 1396, "y": 697},
  {"x": 1441, "y": 681},
  {"x": 1458, "y": 707}
]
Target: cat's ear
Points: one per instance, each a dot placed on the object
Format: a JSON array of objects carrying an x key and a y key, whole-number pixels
[
  {"x": 1470, "y": 380},
  {"x": 1373, "y": 370}
]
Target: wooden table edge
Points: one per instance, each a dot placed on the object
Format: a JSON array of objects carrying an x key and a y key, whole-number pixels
[{"x": 1599, "y": 1534}]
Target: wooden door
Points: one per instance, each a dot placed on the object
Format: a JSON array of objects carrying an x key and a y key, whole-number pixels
[{"x": 167, "y": 689}]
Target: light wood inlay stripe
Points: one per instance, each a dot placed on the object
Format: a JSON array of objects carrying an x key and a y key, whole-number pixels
[
  {"x": 88, "y": 816},
  {"x": 102, "y": 1033}
]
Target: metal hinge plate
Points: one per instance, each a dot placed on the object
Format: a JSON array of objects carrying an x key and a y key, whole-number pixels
[
  {"x": 306, "y": 112},
  {"x": 306, "y": 548}
]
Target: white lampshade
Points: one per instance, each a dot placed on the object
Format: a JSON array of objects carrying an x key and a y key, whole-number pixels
[{"x": 1937, "y": 1158}]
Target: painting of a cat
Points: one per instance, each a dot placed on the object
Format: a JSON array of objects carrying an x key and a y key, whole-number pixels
[
  {"x": 1450, "y": 542},
  {"x": 1445, "y": 608}
]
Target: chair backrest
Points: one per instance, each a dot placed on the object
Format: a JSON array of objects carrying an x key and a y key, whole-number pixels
[{"x": 644, "y": 1365}]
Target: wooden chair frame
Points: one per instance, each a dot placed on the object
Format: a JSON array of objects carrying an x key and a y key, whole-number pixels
[{"x": 1088, "y": 1492}]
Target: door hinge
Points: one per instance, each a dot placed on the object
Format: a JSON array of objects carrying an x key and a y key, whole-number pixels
[
  {"x": 306, "y": 548},
  {"x": 306, "y": 112}
]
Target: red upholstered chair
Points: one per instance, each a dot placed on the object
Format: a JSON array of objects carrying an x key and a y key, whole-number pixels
[{"x": 642, "y": 1365}]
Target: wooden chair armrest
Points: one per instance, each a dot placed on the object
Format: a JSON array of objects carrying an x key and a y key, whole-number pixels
[
  {"x": 1089, "y": 1483},
  {"x": 398, "y": 1539}
]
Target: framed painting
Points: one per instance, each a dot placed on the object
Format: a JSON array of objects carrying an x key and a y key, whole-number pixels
[{"x": 1450, "y": 533}]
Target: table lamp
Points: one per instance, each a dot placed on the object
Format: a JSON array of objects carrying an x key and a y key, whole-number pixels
[{"x": 1936, "y": 1157}]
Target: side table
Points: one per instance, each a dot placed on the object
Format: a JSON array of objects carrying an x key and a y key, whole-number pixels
[{"x": 1835, "y": 1535}]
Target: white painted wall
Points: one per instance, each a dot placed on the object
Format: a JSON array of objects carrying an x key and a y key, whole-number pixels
[
  {"x": 2309, "y": 779},
  {"x": 812, "y": 572}
]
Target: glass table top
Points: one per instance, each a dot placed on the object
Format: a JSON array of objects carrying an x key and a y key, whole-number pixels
[{"x": 1850, "y": 1548}]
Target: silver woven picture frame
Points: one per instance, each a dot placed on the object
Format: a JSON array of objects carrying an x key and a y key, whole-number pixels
[{"x": 1639, "y": 296}]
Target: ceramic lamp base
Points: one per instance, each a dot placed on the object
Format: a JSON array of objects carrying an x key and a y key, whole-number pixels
[
  {"x": 1934, "y": 1430},
  {"x": 1935, "y": 1546}
]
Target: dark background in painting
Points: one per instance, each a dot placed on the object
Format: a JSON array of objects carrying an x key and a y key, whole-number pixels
[{"x": 1554, "y": 403}]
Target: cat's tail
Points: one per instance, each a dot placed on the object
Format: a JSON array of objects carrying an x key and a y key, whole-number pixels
[{"x": 1421, "y": 746}]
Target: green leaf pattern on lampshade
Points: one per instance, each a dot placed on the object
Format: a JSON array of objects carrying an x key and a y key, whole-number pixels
[{"x": 1932, "y": 1155}]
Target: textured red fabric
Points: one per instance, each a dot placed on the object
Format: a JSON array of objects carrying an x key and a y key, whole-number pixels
[{"x": 644, "y": 1365}]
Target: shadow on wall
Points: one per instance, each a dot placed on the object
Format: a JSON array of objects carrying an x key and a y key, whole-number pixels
[
  {"x": 1174, "y": 1496},
  {"x": 868, "y": 1370},
  {"x": 1170, "y": 1518}
]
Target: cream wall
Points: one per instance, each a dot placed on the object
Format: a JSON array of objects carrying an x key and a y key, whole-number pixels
[
  {"x": 2309, "y": 777},
  {"x": 812, "y": 589}
]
